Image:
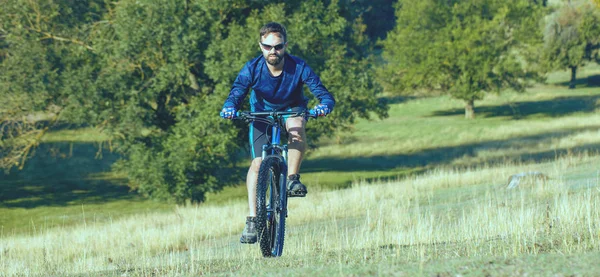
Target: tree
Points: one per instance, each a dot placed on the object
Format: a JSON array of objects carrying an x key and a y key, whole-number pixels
[
  {"x": 166, "y": 82},
  {"x": 45, "y": 64},
  {"x": 572, "y": 37},
  {"x": 466, "y": 48},
  {"x": 157, "y": 102},
  {"x": 154, "y": 74}
]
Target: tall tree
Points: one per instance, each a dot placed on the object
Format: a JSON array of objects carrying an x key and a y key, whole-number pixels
[
  {"x": 174, "y": 64},
  {"x": 158, "y": 103},
  {"x": 153, "y": 75},
  {"x": 572, "y": 37},
  {"x": 466, "y": 48}
]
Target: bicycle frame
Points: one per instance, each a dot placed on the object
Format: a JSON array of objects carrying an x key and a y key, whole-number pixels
[{"x": 275, "y": 148}]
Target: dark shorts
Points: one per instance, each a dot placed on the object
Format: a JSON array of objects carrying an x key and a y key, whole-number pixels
[{"x": 260, "y": 134}]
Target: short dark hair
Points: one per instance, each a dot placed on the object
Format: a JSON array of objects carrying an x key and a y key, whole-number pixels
[{"x": 273, "y": 27}]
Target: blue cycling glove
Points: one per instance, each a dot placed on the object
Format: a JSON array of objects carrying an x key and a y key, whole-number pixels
[
  {"x": 228, "y": 113},
  {"x": 322, "y": 110}
]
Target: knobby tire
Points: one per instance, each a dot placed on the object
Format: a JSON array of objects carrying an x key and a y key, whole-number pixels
[{"x": 271, "y": 230}]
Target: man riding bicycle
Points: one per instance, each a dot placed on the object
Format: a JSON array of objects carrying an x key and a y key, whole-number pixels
[{"x": 276, "y": 81}]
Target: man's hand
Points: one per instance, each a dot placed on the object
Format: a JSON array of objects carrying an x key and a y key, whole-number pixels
[
  {"x": 322, "y": 110},
  {"x": 228, "y": 113}
]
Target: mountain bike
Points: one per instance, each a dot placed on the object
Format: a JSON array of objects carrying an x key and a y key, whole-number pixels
[{"x": 271, "y": 190}]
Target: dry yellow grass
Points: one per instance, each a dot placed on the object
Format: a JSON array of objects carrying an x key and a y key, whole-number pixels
[{"x": 445, "y": 213}]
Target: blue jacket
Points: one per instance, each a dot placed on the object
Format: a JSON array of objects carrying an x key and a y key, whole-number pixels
[{"x": 277, "y": 93}]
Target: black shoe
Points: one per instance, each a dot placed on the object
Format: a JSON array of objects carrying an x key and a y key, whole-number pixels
[
  {"x": 295, "y": 188},
  {"x": 249, "y": 233}
]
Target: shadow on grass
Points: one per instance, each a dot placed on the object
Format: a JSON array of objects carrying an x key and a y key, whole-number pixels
[
  {"x": 556, "y": 107},
  {"x": 58, "y": 174},
  {"x": 447, "y": 155},
  {"x": 591, "y": 81},
  {"x": 63, "y": 174}
]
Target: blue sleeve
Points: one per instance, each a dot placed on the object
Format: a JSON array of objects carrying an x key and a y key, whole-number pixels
[
  {"x": 313, "y": 82},
  {"x": 240, "y": 88}
]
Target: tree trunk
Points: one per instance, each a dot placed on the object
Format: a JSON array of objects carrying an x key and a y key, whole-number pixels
[
  {"x": 469, "y": 109},
  {"x": 573, "y": 77},
  {"x": 164, "y": 117}
]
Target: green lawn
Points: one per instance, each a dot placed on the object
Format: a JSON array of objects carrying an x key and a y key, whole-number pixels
[{"x": 67, "y": 182}]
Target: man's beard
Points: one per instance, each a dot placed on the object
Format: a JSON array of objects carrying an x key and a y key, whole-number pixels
[{"x": 273, "y": 59}]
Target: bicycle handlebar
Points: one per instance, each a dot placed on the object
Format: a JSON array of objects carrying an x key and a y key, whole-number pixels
[{"x": 255, "y": 115}]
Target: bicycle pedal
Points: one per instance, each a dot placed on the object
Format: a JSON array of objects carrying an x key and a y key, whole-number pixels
[{"x": 296, "y": 194}]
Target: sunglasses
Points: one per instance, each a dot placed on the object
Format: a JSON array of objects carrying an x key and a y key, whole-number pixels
[{"x": 269, "y": 47}]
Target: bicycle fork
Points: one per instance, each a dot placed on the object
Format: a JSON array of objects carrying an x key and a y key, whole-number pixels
[{"x": 283, "y": 192}]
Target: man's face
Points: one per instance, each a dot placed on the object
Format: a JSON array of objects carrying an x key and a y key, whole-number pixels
[{"x": 273, "y": 48}]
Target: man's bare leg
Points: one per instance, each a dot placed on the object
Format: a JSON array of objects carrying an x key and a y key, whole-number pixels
[
  {"x": 296, "y": 148},
  {"x": 249, "y": 234},
  {"x": 296, "y": 143},
  {"x": 251, "y": 181}
]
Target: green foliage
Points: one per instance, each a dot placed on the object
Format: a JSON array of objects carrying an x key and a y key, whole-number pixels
[
  {"x": 465, "y": 48},
  {"x": 377, "y": 15},
  {"x": 194, "y": 158},
  {"x": 153, "y": 74},
  {"x": 157, "y": 103},
  {"x": 45, "y": 71},
  {"x": 572, "y": 36}
]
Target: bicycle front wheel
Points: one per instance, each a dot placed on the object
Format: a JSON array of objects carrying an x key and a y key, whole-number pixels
[{"x": 271, "y": 206}]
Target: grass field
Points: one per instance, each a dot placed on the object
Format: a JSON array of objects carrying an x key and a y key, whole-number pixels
[
  {"x": 443, "y": 222},
  {"x": 422, "y": 192}
]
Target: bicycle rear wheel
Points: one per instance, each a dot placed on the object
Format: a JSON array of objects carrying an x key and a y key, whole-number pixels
[{"x": 271, "y": 206}]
